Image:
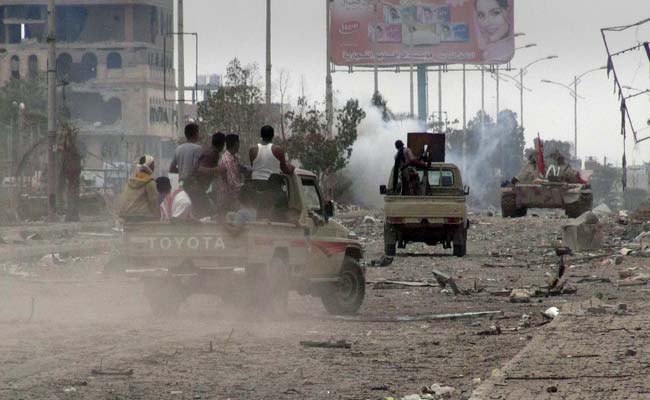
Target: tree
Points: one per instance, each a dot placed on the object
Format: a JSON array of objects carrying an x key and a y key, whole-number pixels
[
  {"x": 308, "y": 141},
  {"x": 282, "y": 85},
  {"x": 381, "y": 103},
  {"x": 236, "y": 107}
]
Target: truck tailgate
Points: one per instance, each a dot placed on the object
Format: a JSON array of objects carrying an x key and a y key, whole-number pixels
[{"x": 421, "y": 207}]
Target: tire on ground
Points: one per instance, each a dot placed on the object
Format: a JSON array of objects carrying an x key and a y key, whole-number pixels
[{"x": 346, "y": 297}]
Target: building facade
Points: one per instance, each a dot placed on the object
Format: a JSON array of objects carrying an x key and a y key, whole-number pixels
[{"x": 113, "y": 57}]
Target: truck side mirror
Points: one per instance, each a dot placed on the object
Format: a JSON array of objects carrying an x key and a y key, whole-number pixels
[
  {"x": 466, "y": 190},
  {"x": 330, "y": 209},
  {"x": 383, "y": 190}
]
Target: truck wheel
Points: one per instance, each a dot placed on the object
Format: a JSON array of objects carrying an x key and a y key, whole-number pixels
[
  {"x": 584, "y": 204},
  {"x": 508, "y": 205},
  {"x": 279, "y": 279},
  {"x": 390, "y": 241},
  {"x": 164, "y": 296},
  {"x": 460, "y": 247},
  {"x": 347, "y": 296}
]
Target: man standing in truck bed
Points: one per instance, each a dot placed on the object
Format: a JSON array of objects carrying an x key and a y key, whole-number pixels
[
  {"x": 268, "y": 159},
  {"x": 405, "y": 163}
]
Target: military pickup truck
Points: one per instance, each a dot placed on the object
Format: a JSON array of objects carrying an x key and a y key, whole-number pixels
[
  {"x": 438, "y": 213},
  {"x": 293, "y": 245}
]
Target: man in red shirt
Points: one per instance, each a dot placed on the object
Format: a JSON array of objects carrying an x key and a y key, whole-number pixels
[{"x": 229, "y": 180}]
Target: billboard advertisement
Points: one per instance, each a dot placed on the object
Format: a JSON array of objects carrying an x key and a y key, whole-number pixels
[{"x": 404, "y": 32}]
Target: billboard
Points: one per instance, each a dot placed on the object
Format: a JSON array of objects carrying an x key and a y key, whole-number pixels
[{"x": 404, "y": 32}]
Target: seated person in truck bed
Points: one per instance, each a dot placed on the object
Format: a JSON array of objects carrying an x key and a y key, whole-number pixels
[
  {"x": 139, "y": 200},
  {"x": 247, "y": 211},
  {"x": 177, "y": 207}
]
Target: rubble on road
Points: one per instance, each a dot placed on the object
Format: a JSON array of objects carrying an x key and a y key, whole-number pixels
[
  {"x": 583, "y": 233},
  {"x": 519, "y": 296}
]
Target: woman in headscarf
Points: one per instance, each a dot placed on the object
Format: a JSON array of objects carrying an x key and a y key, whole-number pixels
[{"x": 139, "y": 200}]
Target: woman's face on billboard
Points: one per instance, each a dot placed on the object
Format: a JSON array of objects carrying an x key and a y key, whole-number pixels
[{"x": 491, "y": 20}]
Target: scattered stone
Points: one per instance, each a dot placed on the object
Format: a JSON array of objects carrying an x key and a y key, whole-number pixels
[
  {"x": 476, "y": 381},
  {"x": 630, "y": 352},
  {"x": 583, "y": 233},
  {"x": 551, "y": 389},
  {"x": 369, "y": 220},
  {"x": 623, "y": 217},
  {"x": 552, "y": 312},
  {"x": 626, "y": 251},
  {"x": 625, "y": 274},
  {"x": 520, "y": 296},
  {"x": 602, "y": 210},
  {"x": 442, "y": 392},
  {"x": 524, "y": 321},
  {"x": 618, "y": 260}
]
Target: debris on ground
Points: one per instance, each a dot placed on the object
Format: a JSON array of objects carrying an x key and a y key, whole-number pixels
[
  {"x": 602, "y": 210},
  {"x": 111, "y": 372},
  {"x": 552, "y": 312},
  {"x": 439, "y": 391},
  {"x": 445, "y": 280},
  {"x": 519, "y": 296},
  {"x": 583, "y": 233},
  {"x": 339, "y": 344}
]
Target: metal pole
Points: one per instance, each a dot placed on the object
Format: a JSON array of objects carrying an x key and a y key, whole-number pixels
[
  {"x": 51, "y": 112},
  {"x": 329, "y": 98},
  {"x": 422, "y": 92},
  {"x": 464, "y": 118},
  {"x": 464, "y": 100},
  {"x": 412, "y": 93},
  {"x": 376, "y": 76},
  {"x": 521, "y": 97},
  {"x": 440, "y": 98},
  {"x": 482, "y": 94},
  {"x": 181, "y": 70},
  {"x": 268, "y": 52},
  {"x": 575, "y": 117},
  {"x": 498, "y": 84}
]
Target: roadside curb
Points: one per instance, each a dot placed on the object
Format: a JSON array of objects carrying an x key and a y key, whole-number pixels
[{"x": 485, "y": 389}]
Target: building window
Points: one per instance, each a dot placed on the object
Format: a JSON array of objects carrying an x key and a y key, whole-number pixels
[
  {"x": 88, "y": 67},
  {"x": 32, "y": 64},
  {"x": 114, "y": 61},
  {"x": 15, "y": 67},
  {"x": 64, "y": 66}
]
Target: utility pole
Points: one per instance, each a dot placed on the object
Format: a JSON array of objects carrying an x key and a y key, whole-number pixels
[
  {"x": 521, "y": 97},
  {"x": 376, "y": 76},
  {"x": 329, "y": 98},
  {"x": 464, "y": 117},
  {"x": 496, "y": 117},
  {"x": 575, "y": 117},
  {"x": 412, "y": 93},
  {"x": 268, "y": 54},
  {"x": 181, "y": 70},
  {"x": 51, "y": 112},
  {"x": 482, "y": 94},
  {"x": 440, "y": 98}
]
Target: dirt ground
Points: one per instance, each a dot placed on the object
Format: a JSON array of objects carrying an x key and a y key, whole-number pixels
[{"x": 59, "y": 321}]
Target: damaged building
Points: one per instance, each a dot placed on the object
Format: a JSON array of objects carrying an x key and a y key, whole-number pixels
[{"x": 111, "y": 64}]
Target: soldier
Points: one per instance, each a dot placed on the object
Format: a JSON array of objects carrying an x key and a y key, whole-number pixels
[
  {"x": 564, "y": 172},
  {"x": 530, "y": 172}
]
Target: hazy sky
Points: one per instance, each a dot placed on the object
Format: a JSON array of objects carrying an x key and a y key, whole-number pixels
[{"x": 568, "y": 29}]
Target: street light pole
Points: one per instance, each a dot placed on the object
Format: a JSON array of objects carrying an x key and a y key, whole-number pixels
[
  {"x": 329, "y": 100},
  {"x": 523, "y": 71},
  {"x": 181, "y": 70},
  {"x": 268, "y": 55},
  {"x": 574, "y": 92},
  {"x": 51, "y": 112}
]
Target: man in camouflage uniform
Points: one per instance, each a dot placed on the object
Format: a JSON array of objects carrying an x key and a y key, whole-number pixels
[
  {"x": 564, "y": 172},
  {"x": 530, "y": 172}
]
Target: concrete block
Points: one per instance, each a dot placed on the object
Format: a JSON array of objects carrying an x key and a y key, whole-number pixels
[{"x": 584, "y": 233}]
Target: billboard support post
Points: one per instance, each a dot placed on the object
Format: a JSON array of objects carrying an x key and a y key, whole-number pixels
[
  {"x": 464, "y": 117},
  {"x": 376, "y": 76},
  {"x": 181, "y": 70},
  {"x": 422, "y": 92},
  {"x": 440, "y": 98},
  {"x": 268, "y": 56},
  {"x": 412, "y": 114},
  {"x": 496, "y": 116}
]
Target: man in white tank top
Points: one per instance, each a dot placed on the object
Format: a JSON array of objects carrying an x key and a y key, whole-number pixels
[{"x": 268, "y": 159}]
